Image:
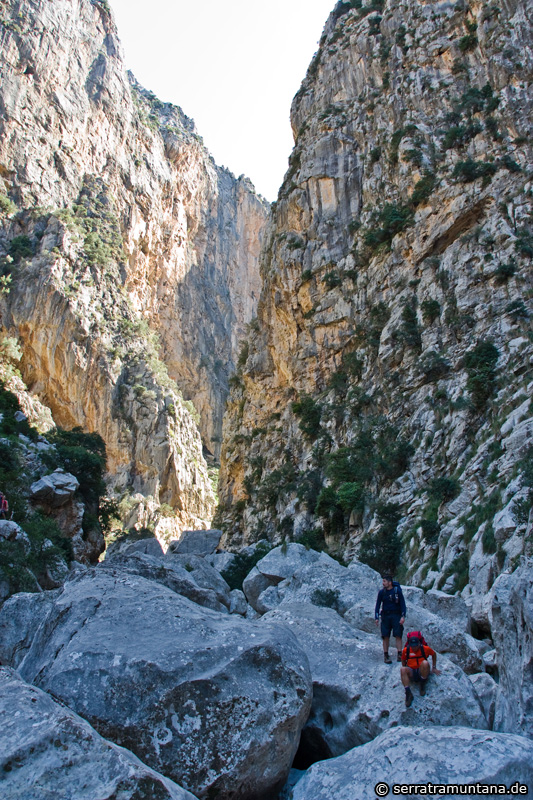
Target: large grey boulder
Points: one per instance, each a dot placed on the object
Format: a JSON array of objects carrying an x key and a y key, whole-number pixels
[
  {"x": 50, "y": 753},
  {"x": 284, "y": 561},
  {"x": 211, "y": 700},
  {"x": 54, "y": 490},
  {"x": 440, "y": 756},
  {"x": 350, "y": 585},
  {"x": 355, "y": 695},
  {"x": 204, "y": 575},
  {"x": 511, "y": 619},
  {"x": 168, "y": 573},
  {"x": 199, "y": 543},
  {"x": 12, "y": 532},
  {"x": 147, "y": 546},
  {"x": 486, "y": 690},
  {"x": 253, "y": 587},
  {"x": 20, "y": 618},
  {"x": 450, "y": 607}
]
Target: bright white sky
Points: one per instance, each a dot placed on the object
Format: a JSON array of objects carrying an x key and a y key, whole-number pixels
[{"x": 232, "y": 66}]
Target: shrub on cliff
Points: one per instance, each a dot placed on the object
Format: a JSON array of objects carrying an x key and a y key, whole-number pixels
[{"x": 480, "y": 364}]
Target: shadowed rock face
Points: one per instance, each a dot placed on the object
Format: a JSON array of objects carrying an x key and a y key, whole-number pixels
[
  {"x": 420, "y": 756},
  {"x": 132, "y": 229},
  {"x": 393, "y": 320},
  {"x": 49, "y": 752},
  {"x": 211, "y": 700}
]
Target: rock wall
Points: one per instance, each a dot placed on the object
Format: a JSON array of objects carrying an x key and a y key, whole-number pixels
[
  {"x": 385, "y": 399},
  {"x": 118, "y": 229}
]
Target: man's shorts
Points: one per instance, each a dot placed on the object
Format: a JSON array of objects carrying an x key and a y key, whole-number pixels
[
  {"x": 391, "y": 623},
  {"x": 415, "y": 675}
]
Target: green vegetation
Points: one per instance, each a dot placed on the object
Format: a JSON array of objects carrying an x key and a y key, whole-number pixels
[
  {"x": 7, "y": 206},
  {"x": 82, "y": 454},
  {"x": 469, "y": 41},
  {"x": 310, "y": 413},
  {"x": 382, "y": 550},
  {"x": 430, "y": 311},
  {"x": 242, "y": 564},
  {"x": 470, "y": 170},
  {"x": 505, "y": 271},
  {"x": 410, "y": 332},
  {"x": 21, "y": 247},
  {"x": 434, "y": 366},
  {"x": 443, "y": 489},
  {"x": 424, "y": 188},
  {"x": 392, "y": 219},
  {"x": 328, "y": 598},
  {"x": 480, "y": 364},
  {"x": 332, "y": 280}
]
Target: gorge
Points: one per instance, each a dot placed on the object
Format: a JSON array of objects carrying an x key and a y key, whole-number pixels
[{"x": 356, "y": 357}]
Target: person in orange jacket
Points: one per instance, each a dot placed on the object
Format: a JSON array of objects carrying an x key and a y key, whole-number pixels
[{"x": 415, "y": 665}]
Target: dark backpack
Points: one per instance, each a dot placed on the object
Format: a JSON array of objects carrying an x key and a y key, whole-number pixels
[{"x": 415, "y": 635}]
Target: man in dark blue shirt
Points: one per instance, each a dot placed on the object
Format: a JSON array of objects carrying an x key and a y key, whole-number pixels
[{"x": 392, "y": 604}]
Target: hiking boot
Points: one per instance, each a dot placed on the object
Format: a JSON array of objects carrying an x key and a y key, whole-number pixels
[
  {"x": 423, "y": 687},
  {"x": 408, "y": 697},
  {"x": 399, "y": 657},
  {"x": 387, "y": 659}
]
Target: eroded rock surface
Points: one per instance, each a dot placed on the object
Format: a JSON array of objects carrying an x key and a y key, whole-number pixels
[
  {"x": 49, "y": 752},
  {"x": 212, "y": 701}
]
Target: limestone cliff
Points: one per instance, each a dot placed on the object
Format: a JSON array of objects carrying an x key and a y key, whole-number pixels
[
  {"x": 385, "y": 398},
  {"x": 132, "y": 258}
]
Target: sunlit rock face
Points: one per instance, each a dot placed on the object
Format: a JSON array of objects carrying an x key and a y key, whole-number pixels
[
  {"x": 387, "y": 387},
  {"x": 131, "y": 233}
]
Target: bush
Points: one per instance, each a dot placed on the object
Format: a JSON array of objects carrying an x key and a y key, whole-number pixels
[
  {"x": 434, "y": 366},
  {"x": 310, "y": 413},
  {"x": 383, "y": 551},
  {"x": 443, "y": 489},
  {"x": 423, "y": 189},
  {"x": 243, "y": 563},
  {"x": 460, "y": 135},
  {"x": 480, "y": 364},
  {"x": 7, "y": 206},
  {"x": 430, "y": 310},
  {"x": 328, "y": 598},
  {"x": 469, "y": 170},
  {"x": 332, "y": 279},
  {"x": 21, "y": 247},
  {"x": 409, "y": 332},
  {"x": 390, "y": 221},
  {"x": 505, "y": 271},
  {"x": 82, "y": 454}
]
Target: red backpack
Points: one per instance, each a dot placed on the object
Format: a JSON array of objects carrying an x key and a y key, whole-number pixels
[{"x": 416, "y": 635}]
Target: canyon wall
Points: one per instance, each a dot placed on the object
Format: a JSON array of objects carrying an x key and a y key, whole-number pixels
[
  {"x": 385, "y": 403},
  {"x": 130, "y": 257}
]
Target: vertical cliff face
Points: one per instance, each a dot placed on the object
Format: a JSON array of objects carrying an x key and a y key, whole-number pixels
[
  {"x": 385, "y": 400},
  {"x": 133, "y": 258}
]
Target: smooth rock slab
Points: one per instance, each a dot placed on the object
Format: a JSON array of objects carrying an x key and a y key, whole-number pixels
[
  {"x": 168, "y": 573},
  {"x": 200, "y": 543},
  {"x": 356, "y": 696},
  {"x": 418, "y": 756},
  {"x": 211, "y": 700},
  {"x": 50, "y": 753}
]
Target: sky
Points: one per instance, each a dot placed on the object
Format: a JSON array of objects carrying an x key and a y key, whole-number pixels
[{"x": 232, "y": 66}]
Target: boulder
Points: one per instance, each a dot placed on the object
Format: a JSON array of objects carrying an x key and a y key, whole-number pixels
[
  {"x": 254, "y": 585},
  {"x": 221, "y": 561},
  {"x": 441, "y": 756},
  {"x": 349, "y": 585},
  {"x": 21, "y": 616},
  {"x": 450, "y": 607},
  {"x": 149, "y": 546},
  {"x": 203, "y": 574},
  {"x": 355, "y": 695},
  {"x": 11, "y": 532},
  {"x": 486, "y": 690},
  {"x": 211, "y": 700},
  {"x": 166, "y": 572},
  {"x": 511, "y": 619},
  {"x": 200, "y": 543},
  {"x": 47, "y": 751},
  {"x": 54, "y": 490},
  {"x": 284, "y": 561},
  {"x": 238, "y": 604}
]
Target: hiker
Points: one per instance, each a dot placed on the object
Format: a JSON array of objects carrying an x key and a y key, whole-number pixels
[
  {"x": 415, "y": 664},
  {"x": 392, "y": 604},
  {"x": 4, "y": 506}
]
